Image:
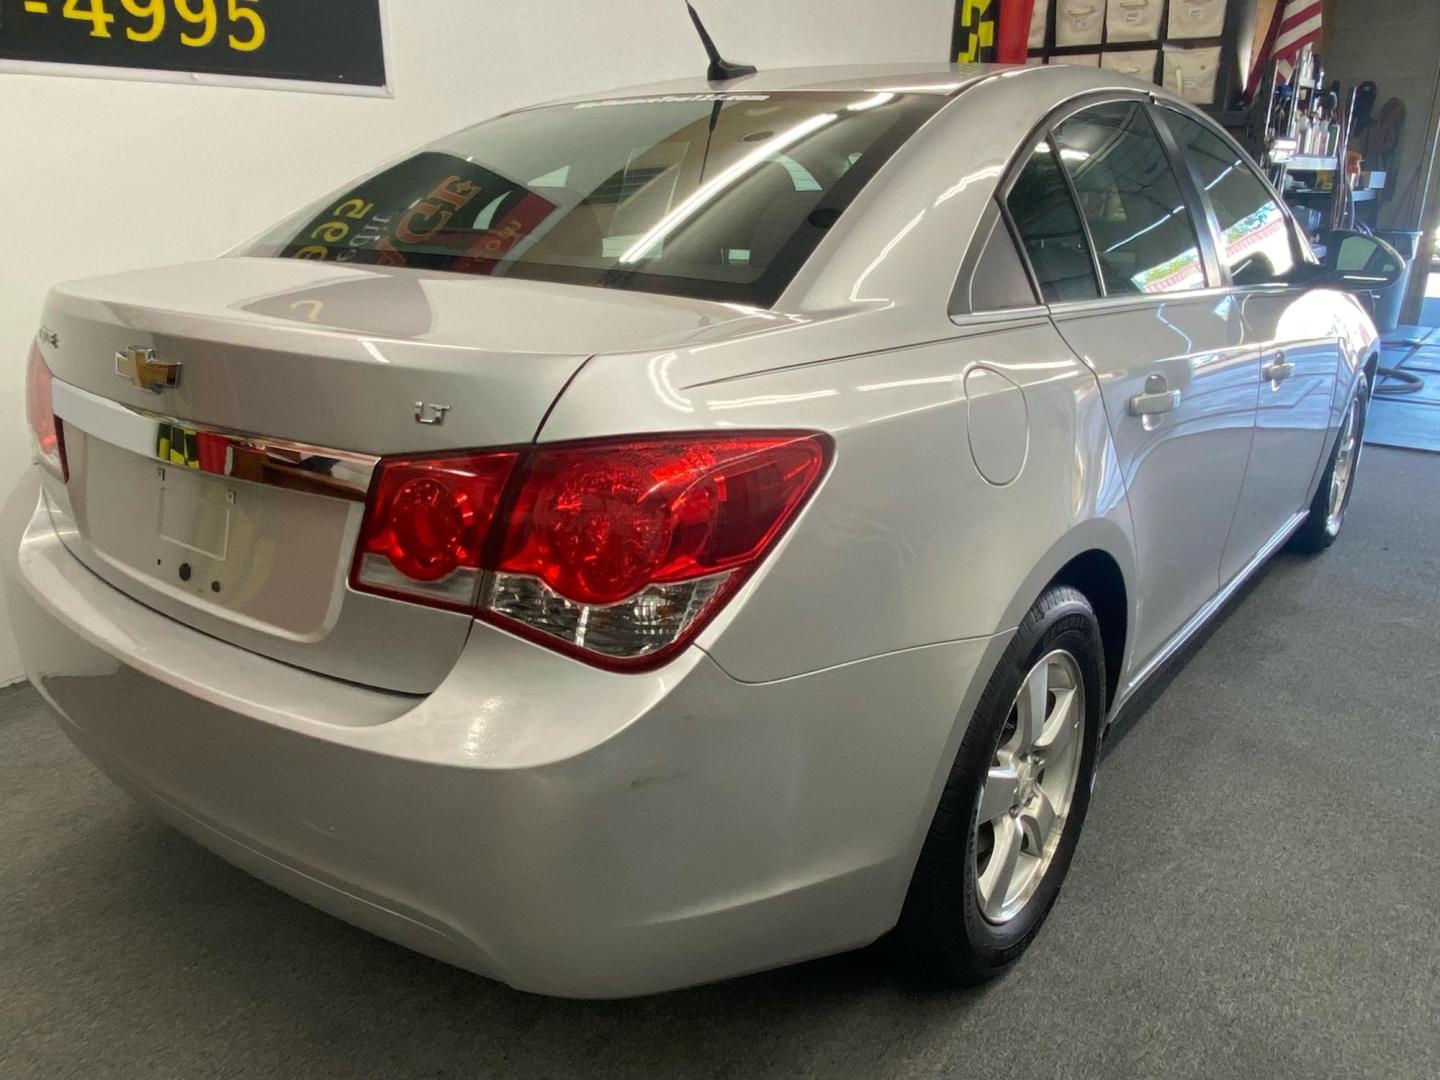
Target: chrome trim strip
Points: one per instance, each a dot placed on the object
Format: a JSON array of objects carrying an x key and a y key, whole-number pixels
[
  {"x": 1201, "y": 617},
  {"x": 1030, "y": 314},
  {"x": 1107, "y": 304},
  {"x": 253, "y": 459}
]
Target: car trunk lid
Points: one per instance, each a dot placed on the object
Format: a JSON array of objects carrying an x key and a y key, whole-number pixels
[{"x": 232, "y": 501}]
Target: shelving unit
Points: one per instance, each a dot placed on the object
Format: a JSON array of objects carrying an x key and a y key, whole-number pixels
[
  {"x": 1269, "y": 128},
  {"x": 1308, "y": 163},
  {"x": 1326, "y": 194}
]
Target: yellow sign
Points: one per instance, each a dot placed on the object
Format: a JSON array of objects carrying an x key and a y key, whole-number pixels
[
  {"x": 197, "y": 22},
  {"x": 336, "y": 42},
  {"x": 975, "y": 31}
]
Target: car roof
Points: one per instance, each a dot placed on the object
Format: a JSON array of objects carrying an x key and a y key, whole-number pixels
[
  {"x": 1042, "y": 85},
  {"x": 921, "y": 78}
]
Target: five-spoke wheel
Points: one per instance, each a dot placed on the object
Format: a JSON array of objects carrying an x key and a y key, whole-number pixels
[
  {"x": 1347, "y": 451},
  {"x": 1337, "y": 482},
  {"x": 1027, "y": 792},
  {"x": 1012, "y": 808}
]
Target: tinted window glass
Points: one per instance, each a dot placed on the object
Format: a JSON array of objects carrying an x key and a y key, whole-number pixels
[
  {"x": 714, "y": 195},
  {"x": 1144, "y": 237},
  {"x": 1256, "y": 244},
  {"x": 1049, "y": 227},
  {"x": 999, "y": 281}
]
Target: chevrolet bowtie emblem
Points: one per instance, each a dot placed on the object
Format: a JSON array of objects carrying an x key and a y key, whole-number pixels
[{"x": 146, "y": 370}]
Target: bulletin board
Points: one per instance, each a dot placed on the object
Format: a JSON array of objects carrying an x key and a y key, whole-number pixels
[{"x": 1178, "y": 44}]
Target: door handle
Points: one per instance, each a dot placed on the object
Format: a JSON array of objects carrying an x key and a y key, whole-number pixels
[
  {"x": 1158, "y": 398},
  {"x": 1278, "y": 369}
]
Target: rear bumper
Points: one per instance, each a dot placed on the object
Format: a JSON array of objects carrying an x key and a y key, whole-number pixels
[{"x": 562, "y": 829}]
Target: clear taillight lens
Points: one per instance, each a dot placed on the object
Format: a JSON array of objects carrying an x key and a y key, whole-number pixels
[
  {"x": 614, "y": 551},
  {"x": 46, "y": 432}
]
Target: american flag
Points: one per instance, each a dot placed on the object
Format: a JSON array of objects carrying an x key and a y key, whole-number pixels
[
  {"x": 1296, "y": 23},
  {"x": 1299, "y": 26}
]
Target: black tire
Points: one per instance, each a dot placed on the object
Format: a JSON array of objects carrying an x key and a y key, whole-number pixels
[
  {"x": 1318, "y": 531},
  {"x": 942, "y": 934}
]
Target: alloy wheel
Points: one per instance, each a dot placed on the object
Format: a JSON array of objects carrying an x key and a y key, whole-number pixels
[
  {"x": 1026, "y": 797},
  {"x": 1347, "y": 452}
]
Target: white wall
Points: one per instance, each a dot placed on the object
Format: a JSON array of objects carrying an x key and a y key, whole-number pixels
[{"x": 101, "y": 176}]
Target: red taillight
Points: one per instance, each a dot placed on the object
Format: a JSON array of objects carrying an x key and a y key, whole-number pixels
[
  {"x": 45, "y": 427},
  {"x": 598, "y": 524},
  {"x": 426, "y": 525},
  {"x": 616, "y": 551}
]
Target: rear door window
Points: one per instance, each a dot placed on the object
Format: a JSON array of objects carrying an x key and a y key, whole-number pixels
[
  {"x": 1144, "y": 236},
  {"x": 1256, "y": 242},
  {"x": 1049, "y": 226}
]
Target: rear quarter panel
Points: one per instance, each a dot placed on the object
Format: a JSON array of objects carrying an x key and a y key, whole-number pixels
[{"x": 906, "y": 544}]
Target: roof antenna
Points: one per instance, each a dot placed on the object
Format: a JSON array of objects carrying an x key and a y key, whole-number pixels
[{"x": 721, "y": 70}]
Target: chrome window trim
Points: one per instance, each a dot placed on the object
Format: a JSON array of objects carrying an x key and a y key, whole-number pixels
[
  {"x": 1125, "y": 303},
  {"x": 989, "y": 320},
  {"x": 1114, "y": 303},
  {"x": 249, "y": 458},
  {"x": 1043, "y": 132}
]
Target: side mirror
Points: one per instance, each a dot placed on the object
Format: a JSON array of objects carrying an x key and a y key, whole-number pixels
[{"x": 1361, "y": 262}]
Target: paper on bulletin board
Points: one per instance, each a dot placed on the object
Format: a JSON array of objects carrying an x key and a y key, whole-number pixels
[
  {"x": 1039, "y": 20},
  {"x": 1191, "y": 73},
  {"x": 1078, "y": 59},
  {"x": 1133, "y": 20},
  {"x": 1137, "y": 62},
  {"x": 1079, "y": 22},
  {"x": 1196, "y": 18}
]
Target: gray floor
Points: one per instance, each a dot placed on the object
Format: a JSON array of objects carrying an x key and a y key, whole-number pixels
[{"x": 1257, "y": 895}]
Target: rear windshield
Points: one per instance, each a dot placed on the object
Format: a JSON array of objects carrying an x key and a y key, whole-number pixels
[{"x": 716, "y": 196}]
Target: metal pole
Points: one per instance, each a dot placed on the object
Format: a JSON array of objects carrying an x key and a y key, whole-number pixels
[{"x": 1420, "y": 268}]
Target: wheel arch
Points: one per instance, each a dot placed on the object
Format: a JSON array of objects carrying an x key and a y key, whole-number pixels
[
  {"x": 1097, "y": 575},
  {"x": 1095, "y": 558}
]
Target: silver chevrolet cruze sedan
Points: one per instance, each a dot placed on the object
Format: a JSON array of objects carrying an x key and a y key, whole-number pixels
[{"x": 649, "y": 538}]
